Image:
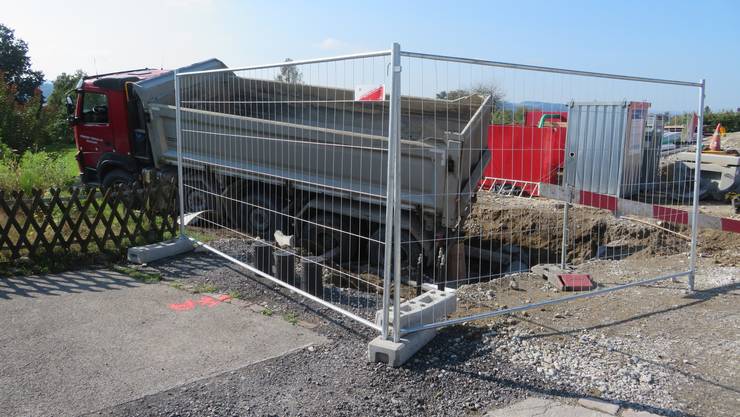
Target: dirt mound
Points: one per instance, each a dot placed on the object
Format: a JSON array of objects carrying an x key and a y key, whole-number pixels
[
  {"x": 724, "y": 247},
  {"x": 535, "y": 225}
]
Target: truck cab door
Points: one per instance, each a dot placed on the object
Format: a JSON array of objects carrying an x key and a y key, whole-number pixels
[{"x": 93, "y": 128}]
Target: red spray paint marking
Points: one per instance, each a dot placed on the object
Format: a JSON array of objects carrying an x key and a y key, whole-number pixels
[
  {"x": 187, "y": 305},
  {"x": 204, "y": 301}
]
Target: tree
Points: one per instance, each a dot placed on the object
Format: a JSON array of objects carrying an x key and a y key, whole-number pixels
[
  {"x": 15, "y": 65},
  {"x": 21, "y": 126},
  {"x": 509, "y": 117},
  {"x": 55, "y": 113},
  {"x": 482, "y": 89},
  {"x": 289, "y": 74}
]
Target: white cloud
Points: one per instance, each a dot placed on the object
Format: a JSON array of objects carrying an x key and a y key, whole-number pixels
[{"x": 331, "y": 43}]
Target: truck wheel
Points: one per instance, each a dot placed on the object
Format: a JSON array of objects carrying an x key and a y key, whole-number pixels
[
  {"x": 117, "y": 177},
  {"x": 256, "y": 213},
  {"x": 199, "y": 195},
  {"x": 411, "y": 251},
  {"x": 325, "y": 232}
]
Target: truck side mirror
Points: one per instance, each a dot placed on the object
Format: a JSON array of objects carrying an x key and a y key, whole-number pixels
[{"x": 70, "y": 106}]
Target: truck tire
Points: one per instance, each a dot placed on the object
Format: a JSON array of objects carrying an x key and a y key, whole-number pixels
[
  {"x": 325, "y": 232},
  {"x": 258, "y": 214},
  {"x": 117, "y": 177},
  {"x": 199, "y": 195},
  {"x": 411, "y": 251}
]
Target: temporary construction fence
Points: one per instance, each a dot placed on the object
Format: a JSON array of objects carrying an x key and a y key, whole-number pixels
[{"x": 388, "y": 181}]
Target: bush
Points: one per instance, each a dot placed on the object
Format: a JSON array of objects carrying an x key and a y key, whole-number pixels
[
  {"x": 729, "y": 119},
  {"x": 41, "y": 170}
]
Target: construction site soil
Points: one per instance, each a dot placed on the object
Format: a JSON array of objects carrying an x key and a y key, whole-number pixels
[{"x": 535, "y": 225}]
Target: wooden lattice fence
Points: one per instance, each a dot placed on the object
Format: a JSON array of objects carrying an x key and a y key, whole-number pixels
[{"x": 85, "y": 220}]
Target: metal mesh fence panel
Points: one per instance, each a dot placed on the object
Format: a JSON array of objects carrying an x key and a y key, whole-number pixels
[
  {"x": 555, "y": 184},
  {"x": 289, "y": 163}
]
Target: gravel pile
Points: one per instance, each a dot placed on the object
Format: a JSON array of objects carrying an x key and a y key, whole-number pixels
[{"x": 608, "y": 367}]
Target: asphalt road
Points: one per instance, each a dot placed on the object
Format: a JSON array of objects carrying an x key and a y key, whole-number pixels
[{"x": 78, "y": 342}]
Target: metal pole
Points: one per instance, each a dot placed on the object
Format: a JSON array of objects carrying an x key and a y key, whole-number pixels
[
  {"x": 395, "y": 124},
  {"x": 697, "y": 182},
  {"x": 494, "y": 313},
  {"x": 303, "y": 293},
  {"x": 564, "y": 247},
  {"x": 392, "y": 168},
  {"x": 180, "y": 188}
]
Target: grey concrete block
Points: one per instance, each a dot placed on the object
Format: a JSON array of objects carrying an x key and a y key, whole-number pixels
[
  {"x": 161, "y": 250},
  {"x": 551, "y": 272},
  {"x": 396, "y": 354},
  {"x": 429, "y": 307},
  {"x": 599, "y": 405},
  {"x": 708, "y": 158}
]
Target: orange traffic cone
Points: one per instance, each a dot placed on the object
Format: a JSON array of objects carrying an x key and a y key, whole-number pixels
[{"x": 714, "y": 143}]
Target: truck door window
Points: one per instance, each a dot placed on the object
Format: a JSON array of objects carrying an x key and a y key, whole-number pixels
[{"x": 94, "y": 108}]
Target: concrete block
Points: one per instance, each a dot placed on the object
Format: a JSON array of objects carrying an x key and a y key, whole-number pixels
[
  {"x": 708, "y": 158},
  {"x": 312, "y": 277},
  {"x": 429, "y": 307},
  {"x": 284, "y": 265},
  {"x": 263, "y": 256},
  {"x": 552, "y": 273},
  {"x": 161, "y": 250},
  {"x": 599, "y": 405},
  {"x": 396, "y": 354}
]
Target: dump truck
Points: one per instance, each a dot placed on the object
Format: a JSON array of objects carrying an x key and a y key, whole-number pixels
[{"x": 313, "y": 166}]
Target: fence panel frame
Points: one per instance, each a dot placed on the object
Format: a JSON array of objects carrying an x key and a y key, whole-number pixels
[
  {"x": 694, "y": 213},
  {"x": 391, "y": 209}
]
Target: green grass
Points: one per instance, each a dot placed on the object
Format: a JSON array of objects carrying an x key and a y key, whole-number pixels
[
  {"x": 267, "y": 312},
  {"x": 145, "y": 277},
  {"x": 201, "y": 234},
  {"x": 235, "y": 295},
  {"x": 291, "y": 318},
  {"x": 204, "y": 287},
  {"x": 177, "y": 285},
  {"x": 44, "y": 169}
]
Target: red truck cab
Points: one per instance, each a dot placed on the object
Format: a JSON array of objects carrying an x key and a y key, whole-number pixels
[{"x": 110, "y": 128}]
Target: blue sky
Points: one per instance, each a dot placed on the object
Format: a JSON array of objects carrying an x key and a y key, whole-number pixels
[{"x": 678, "y": 39}]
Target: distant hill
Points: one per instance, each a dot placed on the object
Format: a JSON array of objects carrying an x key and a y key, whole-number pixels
[
  {"x": 535, "y": 105},
  {"x": 46, "y": 88},
  {"x": 541, "y": 105}
]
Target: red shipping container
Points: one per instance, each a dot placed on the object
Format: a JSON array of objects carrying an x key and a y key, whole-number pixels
[
  {"x": 532, "y": 117},
  {"x": 525, "y": 153}
]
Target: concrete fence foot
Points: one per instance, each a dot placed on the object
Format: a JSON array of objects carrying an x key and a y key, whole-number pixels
[
  {"x": 156, "y": 251},
  {"x": 396, "y": 354}
]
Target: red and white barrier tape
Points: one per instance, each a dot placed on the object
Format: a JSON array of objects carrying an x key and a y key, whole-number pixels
[{"x": 621, "y": 207}]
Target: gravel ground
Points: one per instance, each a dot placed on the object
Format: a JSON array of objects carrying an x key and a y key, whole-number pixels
[{"x": 466, "y": 370}]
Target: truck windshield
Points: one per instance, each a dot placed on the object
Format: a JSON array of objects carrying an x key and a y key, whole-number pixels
[{"x": 94, "y": 108}]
